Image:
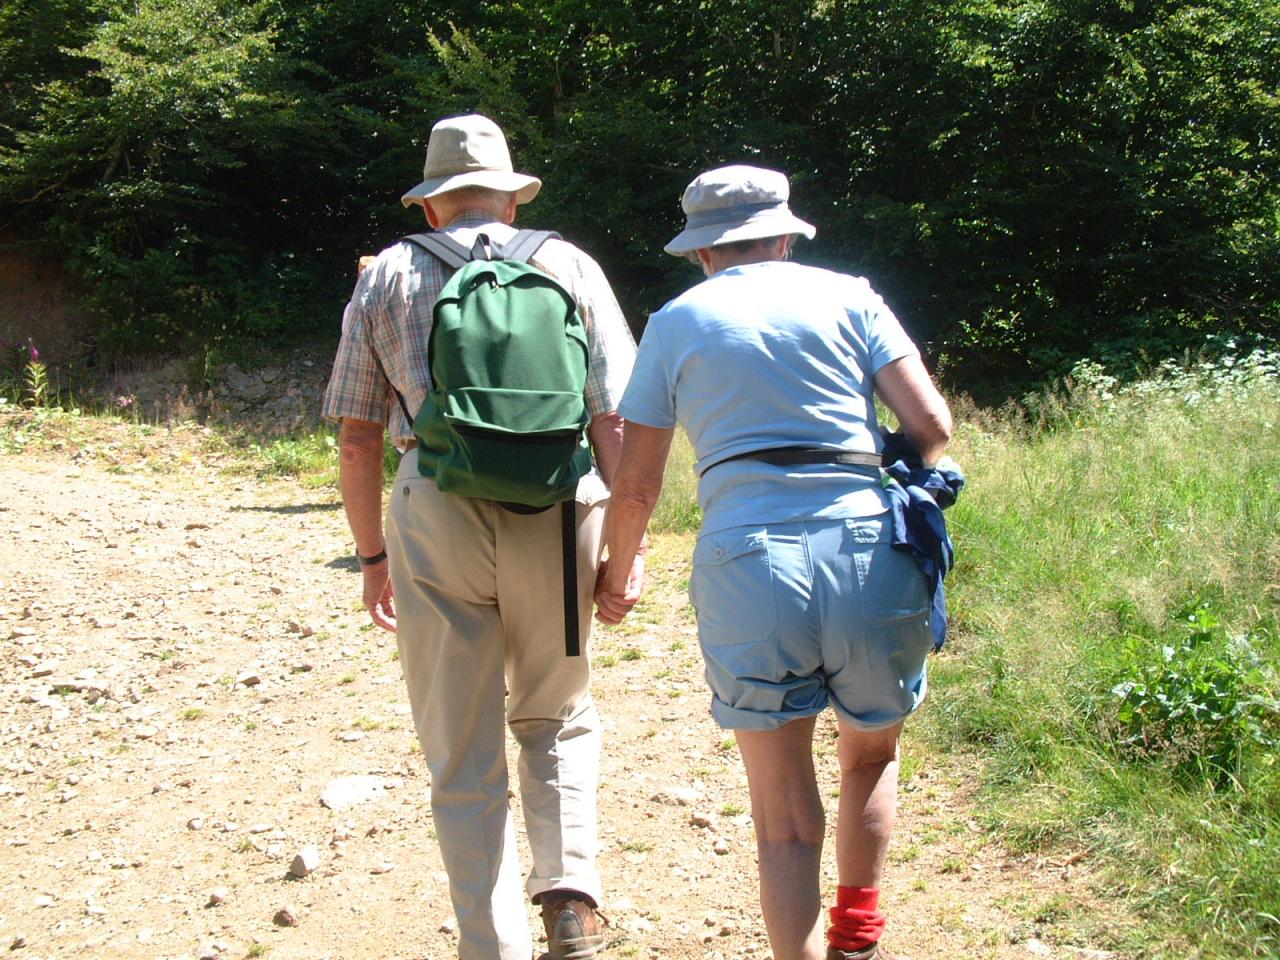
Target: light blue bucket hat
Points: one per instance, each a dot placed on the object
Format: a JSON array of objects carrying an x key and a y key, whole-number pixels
[{"x": 735, "y": 203}]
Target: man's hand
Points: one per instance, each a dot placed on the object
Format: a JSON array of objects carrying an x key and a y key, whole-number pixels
[
  {"x": 360, "y": 477},
  {"x": 614, "y": 600},
  {"x": 377, "y": 595}
]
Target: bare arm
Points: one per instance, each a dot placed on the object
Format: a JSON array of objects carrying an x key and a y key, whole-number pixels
[
  {"x": 906, "y": 389},
  {"x": 634, "y": 495},
  {"x": 360, "y": 477},
  {"x": 606, "y": 439}
]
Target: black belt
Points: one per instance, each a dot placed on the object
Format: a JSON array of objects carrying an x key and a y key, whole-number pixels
[{"x": 795, "y": 456}]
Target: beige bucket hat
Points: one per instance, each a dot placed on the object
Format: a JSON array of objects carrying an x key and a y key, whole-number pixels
[
  {"x": 469, "y": 151},
  {"x": 735, "y": 203}
]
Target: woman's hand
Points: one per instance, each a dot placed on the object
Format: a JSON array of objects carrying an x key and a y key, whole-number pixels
[{"x": 615, "y": 597}]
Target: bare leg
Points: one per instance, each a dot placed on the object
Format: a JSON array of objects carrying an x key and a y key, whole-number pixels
[
  {"x": 868, "y": 803},
  {"x": 789, "y": 826}
]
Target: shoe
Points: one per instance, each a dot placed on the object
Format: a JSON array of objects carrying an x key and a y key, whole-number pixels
[
  {"x": 574, "y": 929},
  {"x": 871, "y": 951}
]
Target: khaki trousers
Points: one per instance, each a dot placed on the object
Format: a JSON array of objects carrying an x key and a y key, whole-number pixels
[{"x": 479, "y": 606}]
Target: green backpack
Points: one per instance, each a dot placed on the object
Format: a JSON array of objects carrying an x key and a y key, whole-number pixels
[{"x": 505, "y": 418}]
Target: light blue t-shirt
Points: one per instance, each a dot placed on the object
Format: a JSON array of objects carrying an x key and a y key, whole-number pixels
[{"x": 765, "y": 355}]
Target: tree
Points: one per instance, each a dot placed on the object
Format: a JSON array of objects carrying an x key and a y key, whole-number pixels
[
  {"x": 170, "y": 168},
  {"x": 1026, "y": 182}
]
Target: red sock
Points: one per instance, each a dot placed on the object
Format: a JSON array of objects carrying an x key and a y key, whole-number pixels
[{"x": 855, "y": 921}]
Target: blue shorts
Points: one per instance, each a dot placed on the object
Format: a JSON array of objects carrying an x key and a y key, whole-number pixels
[{"x": 792, "y": 616}]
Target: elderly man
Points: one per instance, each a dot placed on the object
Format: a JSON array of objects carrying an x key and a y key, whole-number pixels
[
  {"x": 473, "y": 590},
  {"x": 801, "y": 600}
]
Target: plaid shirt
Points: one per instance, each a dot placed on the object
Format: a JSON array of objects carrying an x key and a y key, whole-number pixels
[{"x": 386, "y": 325}]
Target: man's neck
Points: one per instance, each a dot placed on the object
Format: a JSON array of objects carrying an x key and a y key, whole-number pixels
[{"x": 473, "y": 216}]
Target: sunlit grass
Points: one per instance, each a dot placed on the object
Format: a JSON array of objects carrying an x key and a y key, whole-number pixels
[
  {"x": 1083, "y": 537},
  {"x": 677, "y": 509}
]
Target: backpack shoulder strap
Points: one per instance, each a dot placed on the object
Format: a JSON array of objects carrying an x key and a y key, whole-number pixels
[
  {"x": 525, "y": 244},
  {"x": 443, "y": 248}
]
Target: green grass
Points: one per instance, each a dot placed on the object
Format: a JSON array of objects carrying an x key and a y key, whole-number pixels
[
  {"x": 67, "y": 424},
  {"x": 1114, "y": 636},
  {"x": 311, "y": 457},
  {"x": 677, "y": 508}
]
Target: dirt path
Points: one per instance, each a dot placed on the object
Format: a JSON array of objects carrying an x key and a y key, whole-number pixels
[{"x": 186, "y": 669}]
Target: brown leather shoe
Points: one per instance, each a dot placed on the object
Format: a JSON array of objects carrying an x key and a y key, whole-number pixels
[{"x": 574, "y": 929}]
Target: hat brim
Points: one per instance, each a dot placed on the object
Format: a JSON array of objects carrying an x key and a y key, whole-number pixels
[
  {"x": 771, "y": 224},
  {"x": 522, "y": 185}
]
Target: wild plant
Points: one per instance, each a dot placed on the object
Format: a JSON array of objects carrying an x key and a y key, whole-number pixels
[
  {"x": 1221, "y": 373},
  {"x": 1200, "y": 704},
  {"x": 36, "y": 378}
]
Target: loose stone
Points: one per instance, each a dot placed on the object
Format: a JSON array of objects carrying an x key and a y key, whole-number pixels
[{"x": 306, "y": 860}]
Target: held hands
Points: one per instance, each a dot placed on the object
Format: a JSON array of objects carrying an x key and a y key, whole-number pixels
[
  {"x": 616, "y": 596},
  {"x": 377, "y": 595}
]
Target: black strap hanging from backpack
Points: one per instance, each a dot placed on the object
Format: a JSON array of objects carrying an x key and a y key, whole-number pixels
[{"x": 569, "y": 543}]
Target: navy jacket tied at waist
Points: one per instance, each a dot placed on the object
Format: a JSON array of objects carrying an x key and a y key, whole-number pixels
[{"x": 918, "y": 495}]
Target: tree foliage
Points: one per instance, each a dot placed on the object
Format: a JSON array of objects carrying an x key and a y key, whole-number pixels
[{"x": 1027, "y": 182}]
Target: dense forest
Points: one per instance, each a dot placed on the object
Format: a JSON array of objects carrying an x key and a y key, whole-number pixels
[{"x": 1028, "y": 182}]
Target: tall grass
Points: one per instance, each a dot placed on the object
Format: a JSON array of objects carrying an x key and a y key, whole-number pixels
[
  {"x": 1114, "y": 639},
  {"x": 677, "y": 508}
]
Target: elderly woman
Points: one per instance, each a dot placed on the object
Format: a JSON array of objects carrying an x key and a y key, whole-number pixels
[{"x": 771, "y": 367}]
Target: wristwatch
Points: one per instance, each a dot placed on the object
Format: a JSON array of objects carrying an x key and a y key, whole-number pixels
[{"x": 370, "y": 561}]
